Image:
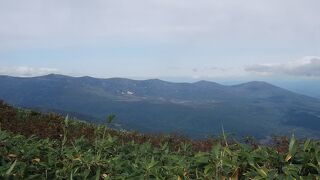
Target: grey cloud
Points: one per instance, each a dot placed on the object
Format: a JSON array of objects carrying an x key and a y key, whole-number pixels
[
  {"x": 54, "y": 21},
  {"x": 218, "y": 69},
  {"x": 210, "y": 69},
  {"x": 195, "y": 69},
  {"x": 24, "y": 71},
  {"x": 310, "y": 68}
]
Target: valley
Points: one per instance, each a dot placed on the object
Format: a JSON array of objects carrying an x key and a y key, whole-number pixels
[{"x": 196, "y": 110}]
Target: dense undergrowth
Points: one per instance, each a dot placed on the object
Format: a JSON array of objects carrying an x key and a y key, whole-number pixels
[{"x": 38, "y": 146}]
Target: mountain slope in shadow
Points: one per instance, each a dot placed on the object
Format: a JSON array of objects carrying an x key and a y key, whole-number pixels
[{"x": 193, "y": 109}]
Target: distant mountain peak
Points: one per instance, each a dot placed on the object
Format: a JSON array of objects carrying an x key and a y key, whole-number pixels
[
  {"x": 156, "y": 80},
  {"x": 255, "y": 84},
  {"x": 52, "y": 75},
  {"x": 87, "y": 77},
  {"x": 204, "y": 82}
]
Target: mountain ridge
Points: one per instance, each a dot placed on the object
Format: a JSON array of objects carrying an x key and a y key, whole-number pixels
[
  {"x": 194, "y": 109},
  {"x": 53, "y": 75},
  {"x": 200, "y": 82}
]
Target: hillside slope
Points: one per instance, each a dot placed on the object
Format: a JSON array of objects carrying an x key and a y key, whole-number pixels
[
  {"x": 49, "y": 146},
  {"x": 194, "y": 109}
]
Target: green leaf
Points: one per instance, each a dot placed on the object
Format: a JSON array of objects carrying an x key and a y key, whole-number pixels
[
  {"x": 111, "y": 118},
  {"x": 98, "y": 174},
  {"x": 11, "y": 167},
  {"x": 262, "y": 172},
  {"x": 208, "y": 169},
  {"x": 291, "y": 144},
  {"x": 306, "y": 145},
  {"x": 292, "y": 149}
]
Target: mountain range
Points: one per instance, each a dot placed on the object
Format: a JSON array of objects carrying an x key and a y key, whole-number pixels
[{"x": 197, "y": 110}]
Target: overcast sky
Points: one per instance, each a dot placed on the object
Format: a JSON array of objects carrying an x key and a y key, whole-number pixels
[{"x": 197, "y": 39}]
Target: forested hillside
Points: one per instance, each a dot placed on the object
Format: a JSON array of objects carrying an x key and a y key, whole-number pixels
[
  {"x": 197, "y": 110},
  {"x": 47, "y": 146}
]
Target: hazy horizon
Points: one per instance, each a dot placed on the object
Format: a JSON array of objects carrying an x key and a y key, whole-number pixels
[
  {"x": 306, "y": 87},
  {"x": 177, "y": 40}
]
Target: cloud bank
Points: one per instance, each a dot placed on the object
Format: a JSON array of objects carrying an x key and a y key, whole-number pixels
[
  {"x": 60, "y": 22},
  {"x": 144, "y": 37},
  {"x": 309, "y": 67},
  {"x": 25, "y": 71}
]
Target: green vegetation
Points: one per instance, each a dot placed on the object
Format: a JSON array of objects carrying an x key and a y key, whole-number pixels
[{"x": 37, "y": 146}]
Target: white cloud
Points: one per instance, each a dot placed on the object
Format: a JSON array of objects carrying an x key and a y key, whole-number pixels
[
  {"x": 308, "y": 67},
  {"x": 24, "y": 71}
]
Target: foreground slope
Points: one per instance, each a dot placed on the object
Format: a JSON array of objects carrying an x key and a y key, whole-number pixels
[
  {"x": 195, "y": 109},
  {"x": 56, "y": 148}
]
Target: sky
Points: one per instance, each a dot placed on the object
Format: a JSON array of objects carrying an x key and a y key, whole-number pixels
[{"x": 181, "y": 40}]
